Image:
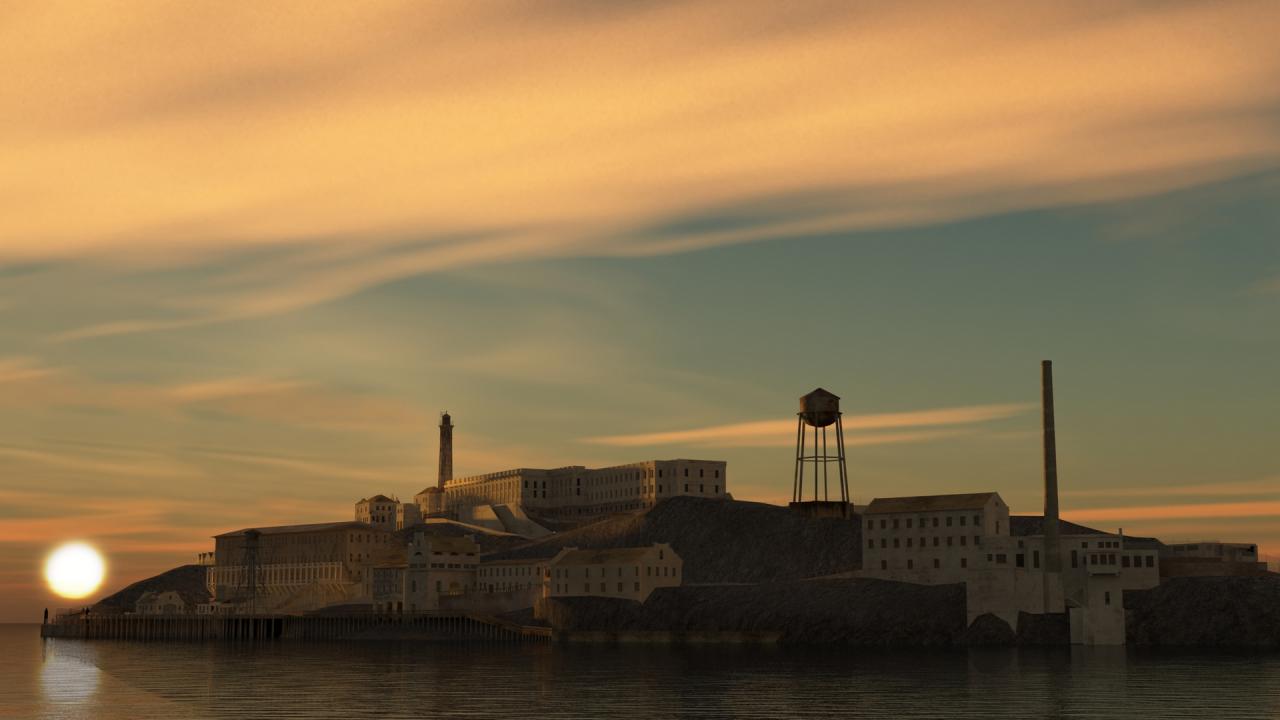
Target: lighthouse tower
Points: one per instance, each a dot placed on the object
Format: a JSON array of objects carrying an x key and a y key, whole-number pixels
[{"x": 446, "y": 450}]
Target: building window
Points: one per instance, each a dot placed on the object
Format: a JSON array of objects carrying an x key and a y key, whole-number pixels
[
  {"x": 948, "y": 521},
  {"x": 702, "y": 489},
  {"x": 686, "y": 487},
  {"x": 717, "y": 474},
  {"x": 1001, "y": 559},
  {"x": 961, "y": 521},
  {"x": 883, "y": 524},
  {"x": 602, "y": 588},
  {"x": 637, "y": 587},
  {"x": 964, "y": 539},
  {"x": 935, "y": 522},
  {"x": 908, "y": 542},
  {"x": 1124, "y": 561},
  {"x": 1035, "y": 559},
  {"x": 935, "y": 541},
  {"x": 871, "y": 544},
  {"x": 1151, "y": 561},
  {"x": 715, "y": 489},
  {"x": 1106, "y": 597},
  {"x": 911, "y": 564},
  {"x": 895, "y": 523},
  {"x": 895, "y": 542},
  {"x": 908, "y": 523},
  {"x": 1020, "y": 560},
  {"x": 964, "y": 562},
  {"x": 686, "y": 472},
  {"x": 937, "y": 563},
  {"x": 1075, "y": 559},
  {"x": 948, "y": 541},
  {"x": 871, "y": 524},
  {"x": 884, "y": 564},
  {"x": 884, "y": 543}
]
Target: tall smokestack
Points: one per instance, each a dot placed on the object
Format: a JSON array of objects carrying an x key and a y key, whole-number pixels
[
  {"x": 1052, "y": 547},
  {"x": 446, "y": 450}
]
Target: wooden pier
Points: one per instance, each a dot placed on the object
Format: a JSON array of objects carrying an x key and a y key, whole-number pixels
[{"x": 196, "y": 628}]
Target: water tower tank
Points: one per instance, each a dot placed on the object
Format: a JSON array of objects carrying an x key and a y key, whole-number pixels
[{"x": 819, "y": 408}]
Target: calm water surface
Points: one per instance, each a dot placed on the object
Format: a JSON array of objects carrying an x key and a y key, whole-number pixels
[{"x": 135, "y": 681}]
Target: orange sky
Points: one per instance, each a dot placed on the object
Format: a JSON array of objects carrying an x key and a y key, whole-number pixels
[{"x": 248, "y": 251}]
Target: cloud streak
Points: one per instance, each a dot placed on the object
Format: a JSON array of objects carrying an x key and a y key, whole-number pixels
[
  {"x": 860, "y": 429},
  {"x": 654, "y": 129}
]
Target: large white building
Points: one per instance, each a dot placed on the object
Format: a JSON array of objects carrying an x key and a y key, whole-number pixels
[
  {"x": 968, "y": 538},
  {"x": 576, "y": 492}
]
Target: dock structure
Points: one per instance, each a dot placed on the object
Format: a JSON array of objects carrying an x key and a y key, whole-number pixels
[{"x": 443, "y": 626}]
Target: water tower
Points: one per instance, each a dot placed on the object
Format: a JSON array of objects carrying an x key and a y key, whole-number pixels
[{"x": 811, "y": 495}]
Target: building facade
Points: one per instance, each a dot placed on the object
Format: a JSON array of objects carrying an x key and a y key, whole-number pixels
[
  {"x": 626, "y": 573},
  {"x": 931, "y": 539},
  {"x": 379, "y": 512},
  {"x": 579, "y": 492},
  {"x": 408, "y": 515},
  {"x": 434, "y": 569},
  {"x": 297, "y": 568},
  {"x": 966, "y": 538}
]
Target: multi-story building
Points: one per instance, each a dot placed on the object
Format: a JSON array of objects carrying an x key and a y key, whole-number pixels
[
  {"x": 930, "y": 539},
  {"x": 299, "y": 567},
  {"x": 378, "y": 511},
  {"x": 628, "y": 573},
  {"x": 939, "y": 539},
  {"x": 435, "y": 568},
  {"x": 577, "y": 492},
  {"x": 496, "y": 576}
]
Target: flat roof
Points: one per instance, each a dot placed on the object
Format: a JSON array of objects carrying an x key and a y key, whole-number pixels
[
  {"x": 604, "y": 556},
  {"x": 313, "y": 527},
  {"x": 929, "y": 503}
]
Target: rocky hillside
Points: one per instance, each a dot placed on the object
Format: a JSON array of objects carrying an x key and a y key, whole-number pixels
[
  {"x": 840, "y": 611},
  {"x": 721, "y": 541},
  {"x": 187, "y": 580},
  {"x": 1206, "y": 612}
]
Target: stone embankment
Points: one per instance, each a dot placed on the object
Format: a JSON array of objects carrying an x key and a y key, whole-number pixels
[{"x": 1206, "y": 612}]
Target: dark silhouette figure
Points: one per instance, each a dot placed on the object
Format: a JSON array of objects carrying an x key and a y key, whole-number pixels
[{"x": 46, "y": 616}]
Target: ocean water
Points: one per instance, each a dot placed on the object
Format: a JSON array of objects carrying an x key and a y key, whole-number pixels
[{"x": 112, "y": 680}]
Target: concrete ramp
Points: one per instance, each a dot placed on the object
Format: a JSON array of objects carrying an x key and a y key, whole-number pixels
[{"x": 516, "y": 521}]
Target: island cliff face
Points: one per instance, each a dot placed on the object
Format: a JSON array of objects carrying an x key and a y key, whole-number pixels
[{"x": 1206, "y": 612}]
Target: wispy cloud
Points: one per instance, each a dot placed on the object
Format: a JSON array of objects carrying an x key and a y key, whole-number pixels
[
  {"x": 861, "y": 429},
  {"x": 1265, "y": 488},
  {"x": 1264, "y": 508},
  {"x": 557, "y": 144}
]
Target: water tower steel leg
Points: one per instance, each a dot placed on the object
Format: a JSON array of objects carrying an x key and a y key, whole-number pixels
[
  {"x": 797, "y": 487},
  {"x": 844, "y": 476},
  {"x": 826, "y": 495},
  {"x": 815, "y": 464}
]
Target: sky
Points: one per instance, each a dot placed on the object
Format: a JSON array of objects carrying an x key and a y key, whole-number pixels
[{"x": 248, "y": 253}]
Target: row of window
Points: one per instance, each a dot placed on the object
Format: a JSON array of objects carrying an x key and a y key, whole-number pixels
[
  {"x": 649, "y": 571},
  {"x": 897, "y": 542},
  {"x": 937, "y": 564},
  {"x": 586, "y": 588},
  {"x": 884, "y": 522}
]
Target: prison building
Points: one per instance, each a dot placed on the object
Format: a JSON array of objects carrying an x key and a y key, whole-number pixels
[
  {"x": 628, "y": 573},
  {"x": 577, "y": 492},
  {"x": 296, "y": 568},
  {"x": 930, "y": 539},
  {"x": 435, "y": 568}
]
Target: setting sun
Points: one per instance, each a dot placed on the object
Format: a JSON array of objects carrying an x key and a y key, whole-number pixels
[{"x": 74, "y": 570}]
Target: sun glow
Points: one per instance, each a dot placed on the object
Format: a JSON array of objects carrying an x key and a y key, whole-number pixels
[{"x": 74, "y": 570}]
